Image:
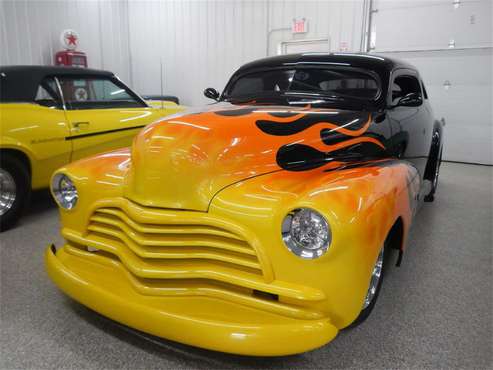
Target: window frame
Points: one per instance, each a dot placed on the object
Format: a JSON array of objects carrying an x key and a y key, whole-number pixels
[
  {"x": 403, "y": 72},
  {"x": 423, "y": 87},
  {"x": 55, "y": 94},
  {"x": 115, "y": 80}
]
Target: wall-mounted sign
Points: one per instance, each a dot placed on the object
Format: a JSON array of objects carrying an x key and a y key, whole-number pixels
[
  {"x": 69, "y": 39},
  {"x": 299, "y": 26}
]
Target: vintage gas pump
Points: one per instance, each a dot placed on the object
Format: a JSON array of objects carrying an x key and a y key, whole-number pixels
[
  {"x": 72, "y": 89},
  {"x": 70, "y": 57}
]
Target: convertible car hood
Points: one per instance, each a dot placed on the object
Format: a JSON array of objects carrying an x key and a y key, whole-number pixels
[{"x": 183, "y": 161}]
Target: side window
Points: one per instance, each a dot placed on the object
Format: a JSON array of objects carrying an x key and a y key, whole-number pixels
[
  {"x": 404, "y": 85},
  {"x": 47, "y": 95},
  {"x": 96, "y": 93}
]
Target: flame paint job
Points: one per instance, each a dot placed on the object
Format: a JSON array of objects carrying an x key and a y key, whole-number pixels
[
  {"x": 239, "y": 168},
  {"x": 183, "y": 162}
]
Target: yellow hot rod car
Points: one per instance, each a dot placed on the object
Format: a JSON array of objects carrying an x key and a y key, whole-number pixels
[
  {"x": 50, "y": 116},
  {"x": 263, "y": 224}
]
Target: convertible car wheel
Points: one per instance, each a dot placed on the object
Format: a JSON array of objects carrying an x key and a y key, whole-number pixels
[
  {"x": 373, "y": 289},
  {"x": 14, "y": 190}
]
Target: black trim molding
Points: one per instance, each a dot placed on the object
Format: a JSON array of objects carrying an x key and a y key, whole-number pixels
[{"x": 103, "y": 132}]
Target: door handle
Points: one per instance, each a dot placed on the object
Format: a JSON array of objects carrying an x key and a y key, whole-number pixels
[{"x": 80, "y": 125}]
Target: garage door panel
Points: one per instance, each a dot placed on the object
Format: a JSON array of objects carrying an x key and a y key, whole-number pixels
[
  {"x": 464, "y": 146},
  {"x": 465, "y": 104},
  {"x": 468, "y": 115},
  {"x": 459, "y": 81},
  {"x": 405, "y": 25},
  {"x": 462, "y": 66}
]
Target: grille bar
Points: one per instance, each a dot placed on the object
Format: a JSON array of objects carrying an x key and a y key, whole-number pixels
[
  {"x": 180, "y": 228},
  {"x": 174, "y": 251},
  {"x": 172, "y": 239},
  {"x": 192, "y": 269},
  {"x": 198, "y": 287}
]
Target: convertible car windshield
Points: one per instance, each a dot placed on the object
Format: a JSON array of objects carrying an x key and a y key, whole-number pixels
[{"x": 336, "y": 83}]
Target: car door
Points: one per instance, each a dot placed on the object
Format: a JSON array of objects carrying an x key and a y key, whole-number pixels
[
  {"x": 103, "y": 113},
  {"x": 411, "y": 126},
  {"x": 40, "y": 129}
]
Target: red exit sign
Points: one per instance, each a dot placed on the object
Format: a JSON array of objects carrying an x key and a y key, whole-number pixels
[{"x": 299, "y": 26}]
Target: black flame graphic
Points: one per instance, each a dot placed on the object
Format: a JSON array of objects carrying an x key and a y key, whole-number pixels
[{"x": 302, "y": 157}]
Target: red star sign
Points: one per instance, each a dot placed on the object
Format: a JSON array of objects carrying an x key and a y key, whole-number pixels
[{"x": 72, "y": 40}]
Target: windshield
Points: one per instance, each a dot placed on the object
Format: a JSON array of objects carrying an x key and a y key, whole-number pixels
[{"x": 335, "y": 83}]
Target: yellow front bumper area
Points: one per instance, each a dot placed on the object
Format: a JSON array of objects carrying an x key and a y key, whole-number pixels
[{"x": 198, "y": 320}]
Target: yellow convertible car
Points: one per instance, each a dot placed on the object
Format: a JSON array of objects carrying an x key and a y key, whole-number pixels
[
  {"x": 50, "y": 116},
  {"x": 263, "y": 224}
]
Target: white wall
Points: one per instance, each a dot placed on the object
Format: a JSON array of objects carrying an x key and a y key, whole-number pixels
[
  {"x": 182, "y": 47},
  {"x": 198, "y": 44},
  {"x": 201, "y": 43},
  {"x": 175, "y": 47},
  {"x": 30, "y": 32}
]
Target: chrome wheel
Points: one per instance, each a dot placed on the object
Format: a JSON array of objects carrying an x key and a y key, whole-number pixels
[
  {"x": 375, "y": 279},
  {"x": 7, "y": 191}
]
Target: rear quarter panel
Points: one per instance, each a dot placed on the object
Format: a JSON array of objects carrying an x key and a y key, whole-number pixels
[{"x": 39, "y": 132}]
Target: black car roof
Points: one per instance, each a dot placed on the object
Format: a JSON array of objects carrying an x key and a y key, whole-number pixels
[
  {"x": 379, "y": 64},
  {"x": 20, "y": 83},
  {"x": 360, "y": 60}
]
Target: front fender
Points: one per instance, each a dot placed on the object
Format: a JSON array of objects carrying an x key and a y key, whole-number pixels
[
  {"x": 96, "y": 178},
  {"x": 361, "y": 204}
]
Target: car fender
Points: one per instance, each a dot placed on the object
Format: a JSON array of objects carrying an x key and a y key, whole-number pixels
[
  {"x": 10, "y": 143},
  {"x": 360, "y": 203},
  {"x": 438, "y": 133},
  {"x": 435, "y": 148}
]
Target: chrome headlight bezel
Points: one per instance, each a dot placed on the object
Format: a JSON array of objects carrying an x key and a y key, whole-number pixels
[
  {"x": 64, "y": 191},
  {"x": 294, "y": 221}
]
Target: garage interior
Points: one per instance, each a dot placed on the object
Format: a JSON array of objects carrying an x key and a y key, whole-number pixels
[{"x": 434, "y": 311}]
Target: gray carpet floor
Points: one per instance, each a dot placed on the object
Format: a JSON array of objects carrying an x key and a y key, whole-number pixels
[{"x": 435, "y": 311}]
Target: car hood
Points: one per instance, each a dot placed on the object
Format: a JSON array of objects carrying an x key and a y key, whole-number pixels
[{"x": 183, "y": 161}]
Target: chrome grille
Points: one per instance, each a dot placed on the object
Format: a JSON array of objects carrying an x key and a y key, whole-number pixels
[
  {"x": 170, "y": 243},
  {"x": 171, "y": 252}
]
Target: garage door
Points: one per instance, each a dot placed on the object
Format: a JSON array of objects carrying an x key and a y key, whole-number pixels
[{"x": 450, "y": 42}]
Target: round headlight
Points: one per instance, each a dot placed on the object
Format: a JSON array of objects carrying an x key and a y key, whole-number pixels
[
  {"x": 306, "y": 233},
  {"x": 64, "y": 191}
]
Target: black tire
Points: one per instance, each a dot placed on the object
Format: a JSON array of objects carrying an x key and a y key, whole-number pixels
[
  {"x": 365, "y": 312},
  {"x": 15, "y": 168},
  {"x": 434, "y": 180}
]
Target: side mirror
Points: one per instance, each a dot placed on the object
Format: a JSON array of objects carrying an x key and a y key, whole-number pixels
[
  {"x": 211, "y": 93},
  {"x": 410, "y": 100}
]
